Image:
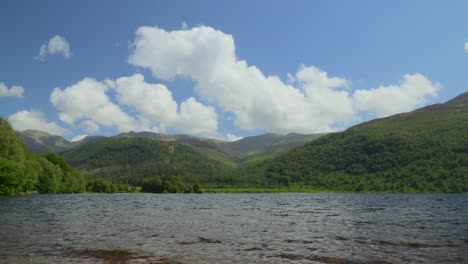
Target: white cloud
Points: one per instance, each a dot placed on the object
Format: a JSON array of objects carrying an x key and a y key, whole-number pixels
[
  {"x": 466, "y": 47},
  {"x": 87, "y": 102},
  {"x": 148, "y": 107},
  {"x": 388, "y": 100},
  {"x": 317, "y": 79},
  {"x": 310, "y": 102},
  {"x": 24, "y": 120},
  {"x": 78, "y": 138},
  {"x": 232, "y": 137},
  {"x": 152, "y": 101},
  {"x": 14, "y": 91},
  {"x": 55, "y": 45},
  {"x": 194, "y": 117}
]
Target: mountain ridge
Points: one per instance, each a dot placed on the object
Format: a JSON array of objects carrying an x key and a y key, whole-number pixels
[{"x": 228, "y": 152}]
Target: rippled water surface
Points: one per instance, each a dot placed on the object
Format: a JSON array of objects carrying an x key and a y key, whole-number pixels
[{"x": 234, "y": 228}]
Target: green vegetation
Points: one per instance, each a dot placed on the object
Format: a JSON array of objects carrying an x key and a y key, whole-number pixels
[
  {"x": 21, "y": 171},
  {"x": 134, "y": 160},
  {"x": 420, "y": 151},
  {"x": 169, "y": 185}
]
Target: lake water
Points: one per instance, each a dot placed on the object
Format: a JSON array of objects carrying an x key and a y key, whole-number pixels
[{"x": 234, "y": 228}]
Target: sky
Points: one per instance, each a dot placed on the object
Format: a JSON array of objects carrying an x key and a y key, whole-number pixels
[{"x": 225, "y": 69}]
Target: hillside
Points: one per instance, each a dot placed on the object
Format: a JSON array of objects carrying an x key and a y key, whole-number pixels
[
  {"x": 230, "y": 153},
  {"x": 269, "y": 145},
  {"x": 419, "y": 151},
  {"x": 236, "y": 152},
  {"x": 131, "y": 160},
  {"x": 211, "y": 148},
  {"x": 22, "y": 171}
]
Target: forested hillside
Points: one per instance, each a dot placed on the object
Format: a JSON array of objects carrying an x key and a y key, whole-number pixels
[
  {"x": 22, "y": 171},
  {"x": 132, "y": 160},
  {"x": 422, "y": 151}
]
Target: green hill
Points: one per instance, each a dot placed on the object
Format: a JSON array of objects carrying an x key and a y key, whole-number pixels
[
  {"x": 22, "y": 171},
  {"x": 421, "y": 151},
  {"x": 131, "y": 160}
]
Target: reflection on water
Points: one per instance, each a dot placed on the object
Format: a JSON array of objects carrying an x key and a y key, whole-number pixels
[{"x": 234, "y": 228}]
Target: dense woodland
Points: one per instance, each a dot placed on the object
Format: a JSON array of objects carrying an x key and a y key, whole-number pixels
[{"x": 22, "y": 171}]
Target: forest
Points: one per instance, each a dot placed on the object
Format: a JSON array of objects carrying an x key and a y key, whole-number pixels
[{"x": 24, "y": 172}]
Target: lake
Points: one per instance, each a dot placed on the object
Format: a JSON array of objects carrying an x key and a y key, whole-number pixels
[{"x": 234, "y": 228}]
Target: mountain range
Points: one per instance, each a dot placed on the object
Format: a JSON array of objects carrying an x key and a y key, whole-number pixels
[
  {"x": 236, "y": 152},
  {"x": 425, "y": 150}
]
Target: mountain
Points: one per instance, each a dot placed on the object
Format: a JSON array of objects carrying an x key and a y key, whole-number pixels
[
  {"x": 209, "y": 147},
  {"x": 132, "y": 159},
  {"x": 246, "y": 149},
  {"x": 232, "y": 153},
  {"x": 42, "y": 142},
  {"x": 421, "y": 151}
]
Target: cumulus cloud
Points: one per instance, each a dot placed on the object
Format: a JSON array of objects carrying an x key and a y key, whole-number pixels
[
  {"x": 13, "y": 91},
  {"x": 311, "y": 100},
  {"x": 87, "y": 102},
  {"x": 152, "y": 101},
  {"x": 78, "y": 138},
  {"x": 388, "y": 100},
  {"x": 138, "y": 106},
  {"x": 24, "y": 120},
  {"x": 466, "y": 47},
  {"x": 194, "y": 117},
  {"x": 55, "y": 45},
  {"x": 208, "y": 57}
]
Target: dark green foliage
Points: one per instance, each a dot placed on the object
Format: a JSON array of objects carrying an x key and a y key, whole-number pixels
[
  {"x": 9, "y": 177},
  {"x": 196, "y": 188},
  {"x": 166, "y": 185},
  {"x": 101, "y": 185},
  {"x": 21, "y": 171}
]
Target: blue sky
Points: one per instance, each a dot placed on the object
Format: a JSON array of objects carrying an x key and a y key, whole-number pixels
[{"x": 225, "y": 69}]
